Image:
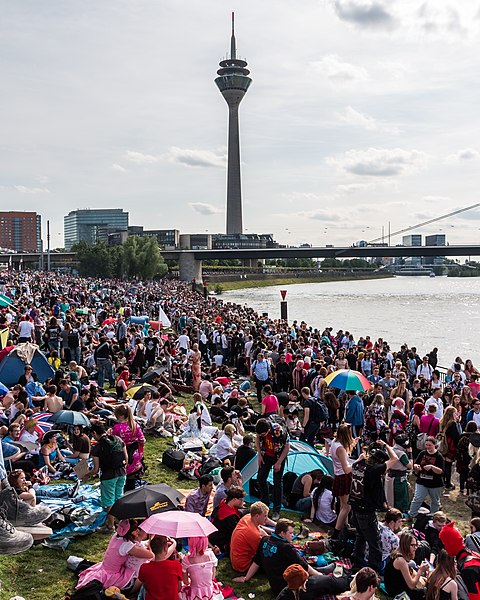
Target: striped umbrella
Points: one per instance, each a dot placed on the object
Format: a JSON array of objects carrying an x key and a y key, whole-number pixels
[
  {"x": 42, "y": 425},
  {"x": 346, "y": 379}
]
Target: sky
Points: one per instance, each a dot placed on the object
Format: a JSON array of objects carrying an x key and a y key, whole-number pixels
[{"x": 361, "y": 113}]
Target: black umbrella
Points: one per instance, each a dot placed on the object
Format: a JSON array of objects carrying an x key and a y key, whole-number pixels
[
  {"x": 150, "y": 376},
  {"x": 145, "y": 501},
  {"x": 138, "y": 390}
]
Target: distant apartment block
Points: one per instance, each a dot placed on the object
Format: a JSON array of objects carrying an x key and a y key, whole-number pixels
[
  {"x": 93, "y": 225},
  {"x": 21, "y": 231},
  {"x": 412, "y": 240}
]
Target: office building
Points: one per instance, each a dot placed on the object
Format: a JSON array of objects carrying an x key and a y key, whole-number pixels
[
  {"x": 412, "y": 240},
  {"x": 167, "y": 239},
  {"x": 93, "y": 225},
  {"x": 21, "y": 231},
  {"x": 233, "y": 82},
  {"x": 437, "y": 239}
]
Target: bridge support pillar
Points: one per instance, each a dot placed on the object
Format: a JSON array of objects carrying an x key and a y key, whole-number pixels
[{"x": 189, "y": 267}]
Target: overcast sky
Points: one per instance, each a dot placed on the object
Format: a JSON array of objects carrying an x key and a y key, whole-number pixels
[{"x": 360, "y": 112}]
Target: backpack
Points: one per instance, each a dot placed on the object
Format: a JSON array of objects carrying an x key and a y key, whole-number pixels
[
  {"x": 73, "y": 341},
  {"x": 112, "y": 446},
  {"x": 443, "y": 445},
  {"x": 357, "y": 492},
  {"x": 319, "y": 410}
]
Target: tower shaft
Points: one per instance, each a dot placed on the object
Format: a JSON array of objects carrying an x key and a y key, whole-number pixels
[{"x": 233, "y": 83}]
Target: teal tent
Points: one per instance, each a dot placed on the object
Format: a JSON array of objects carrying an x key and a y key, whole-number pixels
[{"x": 301, "y": 459}]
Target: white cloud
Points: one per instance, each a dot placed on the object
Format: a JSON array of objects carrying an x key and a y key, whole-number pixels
[
  {"x": 203, "y": 208},
  {"x": 141, "y": 159},
  {"x": 378, "y": 162},
  {"x": 350, "y": 116},
  {"x": 23, "y": 189},
  {"x": 465, "y": 154},
  {"x": 197, "y": 158},
  {"x": 117, "y": 167},
  {"x": 339, "y": 72},
  {"x": 436, "y": 199}
]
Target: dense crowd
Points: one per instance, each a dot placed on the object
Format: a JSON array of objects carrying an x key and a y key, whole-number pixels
[{"x": 257, "y": 384}]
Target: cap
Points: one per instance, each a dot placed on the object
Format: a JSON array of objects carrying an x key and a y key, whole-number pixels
[
  {"x": 295, "y": 576},
  {"x": 452, "y": 539},
  {"x": 474, "y": 439}
]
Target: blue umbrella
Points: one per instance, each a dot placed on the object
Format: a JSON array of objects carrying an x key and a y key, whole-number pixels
[{"x": 70, "y": 417}]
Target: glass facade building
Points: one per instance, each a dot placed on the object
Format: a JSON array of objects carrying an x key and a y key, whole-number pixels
[{"x": 93, "y": 225}]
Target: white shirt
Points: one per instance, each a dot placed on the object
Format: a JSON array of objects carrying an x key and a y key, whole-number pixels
[
  {"x": 248, "y": 348},
  {"x": 439, "y": 403},
  {"x": 224, "y": 447},
  {"x": 324, "y": 512},
  {"x": 183, "y": 341},
  {"x": 425, "y": 370},
  {"x": 26, "y": 328}
]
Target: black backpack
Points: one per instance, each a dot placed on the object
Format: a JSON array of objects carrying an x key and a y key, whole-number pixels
[
  {"x": 73, "y": 341},
  {"x": 357, "y": 491},
  {"x": 319, "y": 410},
  {"x": 112, "y": 446}
]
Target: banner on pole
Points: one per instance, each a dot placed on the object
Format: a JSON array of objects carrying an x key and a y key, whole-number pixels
[{"x": 283, "y": 293}]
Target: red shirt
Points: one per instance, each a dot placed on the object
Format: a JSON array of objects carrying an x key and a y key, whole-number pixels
[{"x": 161, "y": 579}]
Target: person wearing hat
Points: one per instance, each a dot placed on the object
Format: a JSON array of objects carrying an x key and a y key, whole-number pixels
[
  {"x": 367, "y": 495},
  {"x": 468, "y": 565},
  {"x": 396, "y": 479},
  {"x": 296, "y": 578}
]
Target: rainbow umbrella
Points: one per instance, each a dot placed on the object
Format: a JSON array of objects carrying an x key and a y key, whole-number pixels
[{"x": 346, "y": 379}]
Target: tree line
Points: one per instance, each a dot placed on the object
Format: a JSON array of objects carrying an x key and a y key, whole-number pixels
[{"x": 136, "y": 257}]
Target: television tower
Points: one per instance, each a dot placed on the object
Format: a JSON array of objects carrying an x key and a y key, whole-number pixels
[{"x": 233, "y": 82}]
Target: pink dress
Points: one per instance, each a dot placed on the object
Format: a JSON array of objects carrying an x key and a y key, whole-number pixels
[
  {"x": 125, "y": 433},
  {"x": 202, "y": 586},
  {"x": 112, "y": 570}
]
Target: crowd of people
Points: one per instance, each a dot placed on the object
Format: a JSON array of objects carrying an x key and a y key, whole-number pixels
[{"x": 257, "y": 384}]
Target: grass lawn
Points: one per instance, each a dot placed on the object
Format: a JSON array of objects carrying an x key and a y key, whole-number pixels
[{"x": 42, "y": 574}]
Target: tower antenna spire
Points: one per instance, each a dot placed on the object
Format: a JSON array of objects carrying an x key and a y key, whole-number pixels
[{"x": 233, "y": 49}]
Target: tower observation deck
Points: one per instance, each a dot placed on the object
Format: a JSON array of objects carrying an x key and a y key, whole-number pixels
[{"x": 233, "y": 82}]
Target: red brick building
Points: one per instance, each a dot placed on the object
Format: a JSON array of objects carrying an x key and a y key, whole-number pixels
[{"x": 21, "y": 231}]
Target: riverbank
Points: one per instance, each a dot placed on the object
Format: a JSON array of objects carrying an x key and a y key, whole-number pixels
[{"x": 258, "y": 281}]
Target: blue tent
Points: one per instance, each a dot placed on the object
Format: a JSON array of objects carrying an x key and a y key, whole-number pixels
[
  {"x": 12, "y": 367},
  {"x": 301, "y": 459}
]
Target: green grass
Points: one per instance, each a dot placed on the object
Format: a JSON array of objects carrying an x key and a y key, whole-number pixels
[
  {"x": 42, "y": 574},
  {"x": 257, "y": 283}
]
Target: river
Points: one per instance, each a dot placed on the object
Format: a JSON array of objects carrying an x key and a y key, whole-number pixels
[{"x": 421, "y": 311}]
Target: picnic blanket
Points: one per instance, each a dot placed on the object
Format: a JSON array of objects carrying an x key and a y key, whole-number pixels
[
  {"x": 84, "y": 512},
  {"x": 185, "y": 492}
]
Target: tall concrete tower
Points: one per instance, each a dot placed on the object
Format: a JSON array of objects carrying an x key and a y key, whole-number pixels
[{"x": 233, "y": 82}]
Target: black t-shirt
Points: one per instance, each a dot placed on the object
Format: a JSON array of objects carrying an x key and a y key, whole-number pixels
[
  {"x": 428, "y": 478},
  {"x": 283, "y": 399},
  {"x": 374, "y": 492},
  {"x": 243, "y": 456},
  {"x": 108, "y": 450},
  {"x": 276, "y": 555},
  {"x": 151, "y": 345},
  {"x": 81, "y": 444}
]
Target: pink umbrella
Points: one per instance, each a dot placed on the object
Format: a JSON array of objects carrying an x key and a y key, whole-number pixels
[
  {"x": 178, "y": 524},
  {"x": 109, "y": 321}
]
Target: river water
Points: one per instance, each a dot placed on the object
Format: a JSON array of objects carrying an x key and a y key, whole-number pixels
[{"x": 421, "y": 311}]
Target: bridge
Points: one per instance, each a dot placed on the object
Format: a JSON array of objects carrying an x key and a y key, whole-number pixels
[{"x": 190, "y": 261}]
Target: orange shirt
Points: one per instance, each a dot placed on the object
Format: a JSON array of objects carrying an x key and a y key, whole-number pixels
[{"x": 244, "y": 544}]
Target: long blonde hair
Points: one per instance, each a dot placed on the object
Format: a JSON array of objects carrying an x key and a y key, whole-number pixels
[{"x": 448, "y": 417}]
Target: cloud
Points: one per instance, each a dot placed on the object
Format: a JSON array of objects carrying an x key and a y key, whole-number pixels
[
  {"x": 465, "y": 154},
  {"x": 141, "y": 159},
  {"x": 202, "y": 208},
  {"x": 350, "y": 116},
  {"x": 378, "y": 162},
  {"x": 23, "y": 189},
  {"x": 365, "y": 13},
  {"x": 322, "y": 215},
  {"x": 197, "y": 158},
  {"x": 436, "y": 199},
  {"x": 339, "y": 72},
  {"x": 117, "y": 167}
]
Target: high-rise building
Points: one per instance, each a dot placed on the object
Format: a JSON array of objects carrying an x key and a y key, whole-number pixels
[
  {"x": 437, "y": 239},
  {"x": 414, "y": 239},
  {"x": 233, "y": 83},
  {"x": 93, "y": 225},
  {"x": 21, "y": 231}
]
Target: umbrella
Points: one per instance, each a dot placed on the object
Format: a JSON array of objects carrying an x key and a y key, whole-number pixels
[
  {"x": 109, "y": 321},
  {"x": 152, "y": 374},
  {"x": 137, "y": 391},
  {"x": 70, "y": 417},
  {"x": 178, "y": 524},
  {"x": 346, "y": 379},
  {"x": 147, "y": 500}
]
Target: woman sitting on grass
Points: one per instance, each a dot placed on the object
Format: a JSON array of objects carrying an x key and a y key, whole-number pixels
[{"x": 199, "y": 569}]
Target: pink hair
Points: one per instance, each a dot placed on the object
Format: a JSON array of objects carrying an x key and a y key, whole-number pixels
[{"x": 197, "y": 545}]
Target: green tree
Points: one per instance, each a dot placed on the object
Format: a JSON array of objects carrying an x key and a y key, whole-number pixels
[{"x": 141, "y": 258}]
